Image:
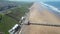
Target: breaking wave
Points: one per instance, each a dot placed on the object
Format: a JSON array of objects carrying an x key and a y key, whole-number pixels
[{"x": 50, "y": 6}]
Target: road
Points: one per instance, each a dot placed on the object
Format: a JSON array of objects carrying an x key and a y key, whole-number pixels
[{"x": 41, "y": 15}]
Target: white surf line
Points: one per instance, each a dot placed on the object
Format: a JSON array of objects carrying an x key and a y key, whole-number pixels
[{"x": 52, "y": 7}]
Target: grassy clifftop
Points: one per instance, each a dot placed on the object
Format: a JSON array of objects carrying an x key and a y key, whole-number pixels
[{"x": 10, "y": 19}]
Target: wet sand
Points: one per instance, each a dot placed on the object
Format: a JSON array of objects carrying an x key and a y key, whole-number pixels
[
  {"x": 37, "y": 29},
  {"x": 41, "y": 15}
]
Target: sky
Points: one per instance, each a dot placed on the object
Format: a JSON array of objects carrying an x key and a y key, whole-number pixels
[{"x": 34, "y": 0}]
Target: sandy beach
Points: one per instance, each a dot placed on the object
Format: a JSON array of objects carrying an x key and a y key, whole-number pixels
[{"x": 41, "y": 15}]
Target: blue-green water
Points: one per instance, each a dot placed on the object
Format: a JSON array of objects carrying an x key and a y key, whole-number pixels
[{"x": 55, "y": 4}]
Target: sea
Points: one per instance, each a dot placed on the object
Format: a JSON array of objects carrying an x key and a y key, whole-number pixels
[{"x": 55, "y": 4}]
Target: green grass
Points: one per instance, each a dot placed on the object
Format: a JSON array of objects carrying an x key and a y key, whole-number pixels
[
  {"x": 20, "y": 11},
  {"x": 8, "y": 22}
]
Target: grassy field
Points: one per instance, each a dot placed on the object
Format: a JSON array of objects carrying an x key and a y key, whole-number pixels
[
  {"x": 7, "y": 23},
  {"x": 9, "y": 20}
]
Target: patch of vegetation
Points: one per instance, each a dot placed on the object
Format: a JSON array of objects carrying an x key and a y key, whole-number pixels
[
  {"x": 18, "y": 12},
  {"x": 7, "y": 23},
  {"x": 8, "y": 20}
]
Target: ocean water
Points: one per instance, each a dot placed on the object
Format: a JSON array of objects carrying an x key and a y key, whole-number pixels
[{"x": 55, "y": 4}]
